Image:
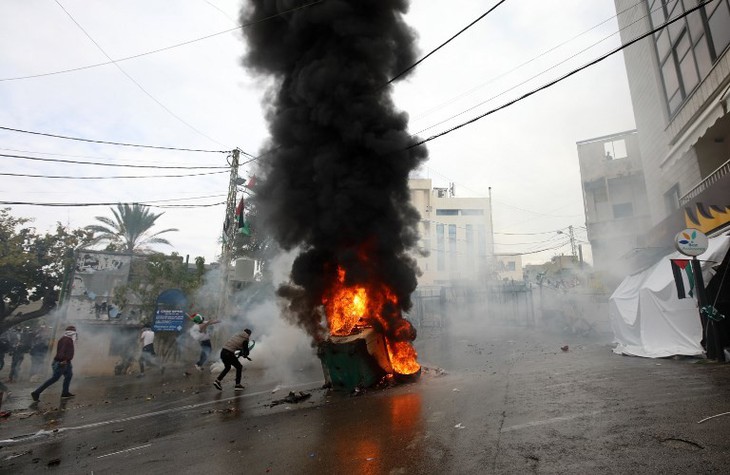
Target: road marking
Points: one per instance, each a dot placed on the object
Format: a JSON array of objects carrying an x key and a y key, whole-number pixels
[
  {"x": 45, "y": 433},
  {"x": 125, "y": 450}
]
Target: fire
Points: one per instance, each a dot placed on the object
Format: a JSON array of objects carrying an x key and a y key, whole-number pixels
[
  {"x": 403, "y": 357},
  {"x": 351, "y": 307}
]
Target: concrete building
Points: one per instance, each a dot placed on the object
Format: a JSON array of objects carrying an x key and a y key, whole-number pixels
[
  {"x": 456, "y": 233},
  {"x": 679, "y": 80},
  {"x": 615, "y": 201},
  {"x": 509, "y": 267}
]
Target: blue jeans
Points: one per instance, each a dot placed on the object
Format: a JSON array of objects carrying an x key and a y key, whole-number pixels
[
  {"x": 59, "y": 370},
  {"x": 205, "y": 349}
]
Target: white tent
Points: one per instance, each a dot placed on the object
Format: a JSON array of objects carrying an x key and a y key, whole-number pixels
[{"x": 647, "y": 317}]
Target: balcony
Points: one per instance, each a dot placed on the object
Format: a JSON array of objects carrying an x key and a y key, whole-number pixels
[{"x": 720, "y": 175}]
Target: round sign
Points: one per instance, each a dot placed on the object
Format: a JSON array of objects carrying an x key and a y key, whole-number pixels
[{"x": 691, "y": 242}]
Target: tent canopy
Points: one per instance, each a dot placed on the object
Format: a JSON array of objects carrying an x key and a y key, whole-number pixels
[{"x": 649, "y": 319}]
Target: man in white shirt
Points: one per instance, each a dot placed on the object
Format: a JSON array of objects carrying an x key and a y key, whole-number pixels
[
  {"x": 199, "y": 332},
  {"x": 148, "y": 350}
]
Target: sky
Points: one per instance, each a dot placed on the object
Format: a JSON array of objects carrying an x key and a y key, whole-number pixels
[{"x": 186, "y": 88}]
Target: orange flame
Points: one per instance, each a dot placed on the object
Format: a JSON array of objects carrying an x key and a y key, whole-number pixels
[{"x": 349, "y": 307}]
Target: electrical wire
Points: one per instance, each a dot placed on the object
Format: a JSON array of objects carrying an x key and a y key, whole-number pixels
[
  {"x": 134, "y": 81},
  {"x": 108, "y": 142},
  {"x": 409, "y": 68},
  {"x": 166, "y": 48},
  {"x": 101, "y": 164},
  {"x": 115, "y": 203},
  {"x": 519, "y": 66},
  {"x": 66, "y": 177},
  {"x": 557, "y": 80}
]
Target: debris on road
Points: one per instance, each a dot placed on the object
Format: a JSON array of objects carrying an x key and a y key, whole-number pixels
[
  {"x": 292, "y": 398},
  {"x": 565, "y": 348},
  {"x": 712, "y": 417}
]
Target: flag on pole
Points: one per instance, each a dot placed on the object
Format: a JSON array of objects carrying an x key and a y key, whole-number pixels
[
  {"x": 241, "y": 223},
  {"x": 683, "y": 277},
  {"x": 251, "y": 182}
]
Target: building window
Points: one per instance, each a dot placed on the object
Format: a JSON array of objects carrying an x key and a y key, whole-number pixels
[
  {"x": 623, "y": 210},
  {"x": 687, "y": 48},
  {"x": 440, "y": 248},
  {"x": 472, "y": 212},
  {"x": 615, "y": 149},
  {"x": 671, "y": 199},
  {"x": 452, "y": 246},
  {"x": 447, "y": 212},
  {"x": 470, "y": 255}
]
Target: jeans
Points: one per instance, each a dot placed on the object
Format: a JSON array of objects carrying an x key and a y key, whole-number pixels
[
  {"x": 229, "y": 359},
  {"x": 59, "y": 370},
  {"x": 205, "y": 349},
  {"x": 148, "y": 356}
]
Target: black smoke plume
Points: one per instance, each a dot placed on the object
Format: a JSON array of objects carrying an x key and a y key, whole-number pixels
[{"x": 335, "y": 173}]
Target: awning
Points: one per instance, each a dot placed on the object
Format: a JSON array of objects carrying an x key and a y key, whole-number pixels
[{"x": 714, "y": 112}]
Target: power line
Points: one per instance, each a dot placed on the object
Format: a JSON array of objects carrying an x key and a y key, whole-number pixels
[
  {"x": 114, "y": 203},
  {"x": 166, "y": 48},
  {"x": 559, "y": 79},
  {"x": 147, "y": 93},
  {"x": 22, "y": 175},
  {"x": 107, "y": 142},
  {"x": 442, "y": 44},
  {"x": 101, "y": 164},
  {"x": 453, "y": 99}
]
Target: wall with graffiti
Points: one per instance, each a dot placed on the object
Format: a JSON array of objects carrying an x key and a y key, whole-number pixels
[{"x": 95, "y": 276}]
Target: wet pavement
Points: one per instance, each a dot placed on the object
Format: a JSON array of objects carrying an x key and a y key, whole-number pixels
[{"x": 490, "y": 400}]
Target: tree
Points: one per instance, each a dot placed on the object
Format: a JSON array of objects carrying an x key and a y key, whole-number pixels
[
  {"x": 129, "y": 230},
  {"x": 33, "y": 266}
]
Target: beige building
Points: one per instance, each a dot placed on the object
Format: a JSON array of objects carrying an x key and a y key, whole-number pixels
[
  {"x": 456, "y": 235},
  {"x": 615, "y": 200},
  {"x": 509, "y": 267},
  {"x": 679, "y": 80}
]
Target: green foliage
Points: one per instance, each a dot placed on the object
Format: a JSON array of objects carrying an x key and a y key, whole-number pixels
[
  {"x": 155, "y": 273},
  {"x": 129, "y": 231},
  {"x": 32, "y": 266}
]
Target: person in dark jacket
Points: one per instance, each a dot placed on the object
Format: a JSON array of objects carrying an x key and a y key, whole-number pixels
[
  {"x": 61, "y": 364},
  {"x": 237, "y": 344}
]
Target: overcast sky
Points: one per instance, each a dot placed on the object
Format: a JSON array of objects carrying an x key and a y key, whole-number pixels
[{"x": 198, "y": 96}]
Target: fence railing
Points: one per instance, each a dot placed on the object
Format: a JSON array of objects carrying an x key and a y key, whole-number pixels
[{"x": 711, "y": 179}]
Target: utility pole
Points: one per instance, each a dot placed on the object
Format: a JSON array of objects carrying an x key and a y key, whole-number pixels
[
  {"x": 229, "y": 231},
  {"x": 573, "y": 251}
]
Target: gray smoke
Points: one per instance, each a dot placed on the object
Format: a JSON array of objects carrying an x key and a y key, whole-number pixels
[{"x": 335, "y": 173}]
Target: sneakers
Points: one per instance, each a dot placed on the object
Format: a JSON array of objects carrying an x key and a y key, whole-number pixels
[
  {"x": 140, "y": 375},
  {"x": 217, "y": 385},
  {"x": 67, "y": 395},
  {"x": 238, "y": 387},
  {"x": 199, "y": 368},
  {"x": 36, "y": 397}
]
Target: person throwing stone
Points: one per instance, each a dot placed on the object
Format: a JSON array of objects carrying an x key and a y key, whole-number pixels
[
  {"x": 61, "y": 364},
  {"x": 237, "y": 343}
]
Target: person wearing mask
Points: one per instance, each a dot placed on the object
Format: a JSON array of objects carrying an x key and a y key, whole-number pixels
[
  {"x": 199, "y": 332},
  {"x": 238, "y": 343},
  {"x": 61, "y": 364}
]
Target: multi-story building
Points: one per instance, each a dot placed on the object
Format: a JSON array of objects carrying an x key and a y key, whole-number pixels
[
  {"x": 615, "y": 201},
  {"x": 679, "y": 80},
  {"x": 456, "y": 235}
]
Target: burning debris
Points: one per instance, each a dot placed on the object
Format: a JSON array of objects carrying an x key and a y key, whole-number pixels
[{"x": 335, "y": 173}]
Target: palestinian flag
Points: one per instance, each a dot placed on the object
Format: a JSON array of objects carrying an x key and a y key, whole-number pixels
[
  {"x": 683, "y": 277},
  {"x": 241, "y": 224},
  {"x": 251, "y": 182}
]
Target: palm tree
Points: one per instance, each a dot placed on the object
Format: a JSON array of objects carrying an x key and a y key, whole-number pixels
[{"x": 128, "y": 231}]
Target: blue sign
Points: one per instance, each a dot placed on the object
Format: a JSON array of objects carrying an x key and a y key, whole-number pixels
[{"x": 169, "y": 320}]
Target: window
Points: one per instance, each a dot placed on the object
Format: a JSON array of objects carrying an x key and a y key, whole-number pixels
[
  {"x": 447, "y": 212},
  {"x": 472, "y": 212},
  {"x": 615, "y": 149},
  {"x": 440, "y": 248},
  {"x": 623, "y": 210},
  {"x": 452, "y": 246},
  {"x": 671, "y": 199},
  {"x": 688, "y": 48}
]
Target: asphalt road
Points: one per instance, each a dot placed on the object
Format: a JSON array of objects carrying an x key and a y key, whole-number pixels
[{"x": 490, "y": 400}]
